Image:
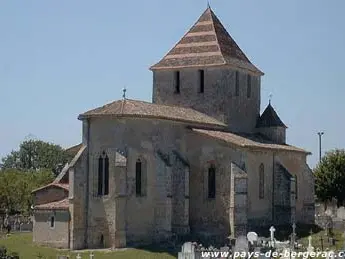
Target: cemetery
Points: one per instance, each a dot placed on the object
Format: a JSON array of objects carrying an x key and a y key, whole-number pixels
[
  {"x": 275, "y": 242},
  {"x": 321, "y": 245}
]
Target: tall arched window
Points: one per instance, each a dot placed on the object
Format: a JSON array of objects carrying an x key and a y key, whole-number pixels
[
  {"x": 237, "y": 84},
  {"x": 296, "y": 187},
  {"x": 212, "y": 182},
  {"x": 249, "y": 86},
  {"x": 261, "y": 181},
  {"x": 138, "y": 178},
  {"x": 103, "y": 174}
]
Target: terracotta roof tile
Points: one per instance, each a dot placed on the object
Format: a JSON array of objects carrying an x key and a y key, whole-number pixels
[
  {"x": 207, "y": 43},
  {"x": 57, "y": 205},
  {"x": 249, "y": 140},
  {"x": 59, "y": 185},
  {"x": 269, "y": 118},
  {"x": 134, "y": 108},
  {"x": 74, "y": 150}
]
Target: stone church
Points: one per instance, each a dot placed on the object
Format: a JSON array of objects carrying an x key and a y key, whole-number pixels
[{"x": 198, "y": 160}]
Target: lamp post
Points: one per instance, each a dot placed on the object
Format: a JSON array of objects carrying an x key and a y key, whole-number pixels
[{"x": 320, "y": 136}]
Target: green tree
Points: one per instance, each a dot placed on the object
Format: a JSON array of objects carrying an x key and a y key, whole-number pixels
[
  {"x": 37, "y": 155},
  {"x": 330, "y": 176},
  {"x": 16, "y": 188}
]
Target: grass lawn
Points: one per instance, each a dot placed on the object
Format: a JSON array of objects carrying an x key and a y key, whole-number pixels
[{"x": 22, "y": 244}]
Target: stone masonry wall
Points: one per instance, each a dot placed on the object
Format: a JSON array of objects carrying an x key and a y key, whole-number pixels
[
  {"x": 238, "y": 201},
  {"x": 43, "y": 234},
  {"x": 141, "y": 212},
  {"x": 209, "y": 218},
  {"x": 219, "y": 98},
  {"x": 77, "y": 200}
]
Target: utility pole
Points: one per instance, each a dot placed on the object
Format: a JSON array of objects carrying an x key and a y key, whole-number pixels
[{"x": 320, "y": 138}]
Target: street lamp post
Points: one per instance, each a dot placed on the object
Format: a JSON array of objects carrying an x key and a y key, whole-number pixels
[{"x": 320, "y": 136}]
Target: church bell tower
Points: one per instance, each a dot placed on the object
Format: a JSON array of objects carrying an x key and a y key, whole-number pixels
[{"x": 207, "y": 71}]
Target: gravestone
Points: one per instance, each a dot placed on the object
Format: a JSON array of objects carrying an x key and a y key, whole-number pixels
[
  {"x": 310, "y": 248},
  {"x": 272, "y": 240},
  {"x": 241, "y": 244},
  {"x": 187, "y": 251},
  {"x": 252, "y": 238},
  {"x": 62, "y": 257}
]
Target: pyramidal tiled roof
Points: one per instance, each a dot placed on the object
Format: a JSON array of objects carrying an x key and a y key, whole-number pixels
[
  {"x": 269, "y": 118},
  {"x": 207, "y": 43}
]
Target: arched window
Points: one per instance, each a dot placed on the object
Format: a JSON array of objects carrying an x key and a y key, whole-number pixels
[
  {"x": 103, "y": 174},
  {"x": 212, "y": 182},
  {"x": 261, "y": 181},
  {"x": 296, "y": 187},
  {"x": 249, "y": 86},
  {"x": 138, "y": 178},
  {"x": 237, "y": 84},
  {"x": 52, "y": 222}
]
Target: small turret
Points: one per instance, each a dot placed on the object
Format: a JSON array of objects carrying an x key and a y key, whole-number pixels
[{"x": 270, "y": 125}]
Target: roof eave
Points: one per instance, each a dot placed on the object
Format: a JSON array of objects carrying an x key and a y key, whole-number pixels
[
  {"x": 217, "y": 125},
  {"x": 156, "y": 67}
]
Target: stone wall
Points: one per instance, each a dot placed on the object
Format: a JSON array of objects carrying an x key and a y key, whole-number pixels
[
  {"x": 43, "y": 234},
  {"x": 218, "y": 100},
  {"x": 276, "y": 134},
  {"x": 77, "y": 199},
  {"x": 209, "y": 217},
  {"x": 238, "y": 213},
  {"x": 282, "y": 195},
  {"x": 148, "y": 214}
]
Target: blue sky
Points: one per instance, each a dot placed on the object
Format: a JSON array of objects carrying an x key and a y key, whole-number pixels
[{"x": 61, "y": 58}]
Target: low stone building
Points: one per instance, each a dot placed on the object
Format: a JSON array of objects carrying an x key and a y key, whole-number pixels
[{"x": 199, "y": 159}]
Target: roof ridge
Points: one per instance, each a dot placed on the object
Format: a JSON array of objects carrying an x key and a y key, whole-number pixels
[
  {"x": 188, "y": 30},
  {"x": 213, "y": 15}
]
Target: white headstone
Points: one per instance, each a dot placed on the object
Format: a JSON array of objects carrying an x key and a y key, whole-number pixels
[
  {"x": 310, "y": 248},
  {"x": 252, "y": 237},
  {"x": 272, "y": 230}
]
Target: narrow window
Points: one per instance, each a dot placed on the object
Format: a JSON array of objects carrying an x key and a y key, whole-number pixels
[
  {"x": 201, "y": 81},
  {"x": 212, "y": 182},
  {"x": 261, "y": 181},
  {"x": 138, "y": 177},
  {"x": 52, "y": 221},
  {"x": 177, "y": 82},
  {"x": 237, "y": 84},
  {"x": 100, "y": 175},
  {"x": 296, "y": 187},
  {"x": 106, "y": 175},
  {"x": 249, "y": 86},
  {"x": 103, "y": 175}
]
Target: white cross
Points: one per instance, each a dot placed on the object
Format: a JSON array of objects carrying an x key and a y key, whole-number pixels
[
  {"x": 272, "y": 229},
  {"x": 78, "y": 256},
  {"x": 92, "y": 255}
]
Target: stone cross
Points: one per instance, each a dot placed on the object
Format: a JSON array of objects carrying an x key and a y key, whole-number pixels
[
  {"x": 92, "y": 255},
  {"x": 78, "y": 256},
  {"x": 272, "y": 230}
]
